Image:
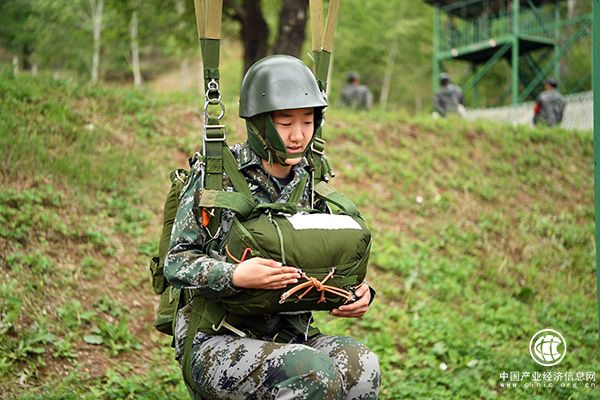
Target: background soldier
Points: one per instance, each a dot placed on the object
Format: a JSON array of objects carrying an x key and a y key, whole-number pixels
[
  {"x": 449, "y": 99},
  {"x": 549, "y": 105},
  {"x": 356, "y": 95},
  {"x": 272, "y": 356}
]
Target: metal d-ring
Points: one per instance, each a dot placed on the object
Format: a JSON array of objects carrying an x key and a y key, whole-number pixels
[
  {"x": 213, "y": 85},
  {"x": 220, "y": 103}
]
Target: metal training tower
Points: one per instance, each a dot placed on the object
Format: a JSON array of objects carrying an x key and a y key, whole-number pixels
[{"x": 527, "y": 34}]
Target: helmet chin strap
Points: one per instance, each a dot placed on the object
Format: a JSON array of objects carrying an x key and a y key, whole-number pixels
[{"x": 265, "y": 141}]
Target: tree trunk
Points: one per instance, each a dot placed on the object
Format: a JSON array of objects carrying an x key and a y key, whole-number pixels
[
  {"x": 15, "y": 65},
  {"x": 255, "y": 33},
  {"x": 97, "y": 7},
  {"x": 387, "y": 76},
  {"x": 571, "y": 7},
  {"x": 26, "y": 52},
  {"x": 185, "y": 74},
  {"x": 184, "y": 65},
  {"x": 292, "y": 27},
  {"x": 135, "y": 50}
]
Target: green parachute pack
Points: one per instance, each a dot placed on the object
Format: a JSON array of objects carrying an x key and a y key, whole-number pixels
[{"x": 331, "y": 250}]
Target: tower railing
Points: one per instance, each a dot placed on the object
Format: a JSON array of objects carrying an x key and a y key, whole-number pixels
[{"x": 463, "y": 32}]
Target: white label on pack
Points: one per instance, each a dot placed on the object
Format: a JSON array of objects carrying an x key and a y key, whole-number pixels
[{"x": 322, "y": 221}]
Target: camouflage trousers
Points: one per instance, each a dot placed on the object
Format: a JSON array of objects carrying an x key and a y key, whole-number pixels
[{"x": 322, "y": 368}]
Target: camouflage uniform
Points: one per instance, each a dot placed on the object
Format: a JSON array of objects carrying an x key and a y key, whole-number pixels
[
  {"x": 448, "y": 99},
  {"x": 550, "y": 106},
  {"x": 357, "y": 96},
  {"x": 224, "y": 366}
]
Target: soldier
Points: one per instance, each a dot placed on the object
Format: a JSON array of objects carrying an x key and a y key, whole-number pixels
[
  {"x": 549, "y": 105},
  {"x": 282, "y": 356},
  {"x": 449, "y": 99},
  {"x": 356, "y": 95}
]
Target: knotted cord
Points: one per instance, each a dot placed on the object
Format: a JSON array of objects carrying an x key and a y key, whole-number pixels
[{"x": 320, "y": 286}]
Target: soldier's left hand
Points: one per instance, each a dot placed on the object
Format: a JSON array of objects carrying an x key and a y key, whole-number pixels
[{"x": 356, "y": 309}]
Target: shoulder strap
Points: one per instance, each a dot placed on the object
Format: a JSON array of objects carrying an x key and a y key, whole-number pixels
[
  {"x": 331, "y": 195},
  {"x": 235, "y": 176},
  {"x": 296, "y": 194}
]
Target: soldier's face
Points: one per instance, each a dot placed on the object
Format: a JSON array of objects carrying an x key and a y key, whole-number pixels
[{"x": 295, "y": 127}]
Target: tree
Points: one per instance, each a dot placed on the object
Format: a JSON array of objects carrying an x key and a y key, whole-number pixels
[
  {"x": 61, "y": 35},
  {"x": 255, "y": 30},
  {"x": 292, "y": 28},
  {"x": 389, "y": 43},
  {"x": 135, "y": 50},
  {"x": 96, "y": 9},
  {"x": 13, "y": 37}
]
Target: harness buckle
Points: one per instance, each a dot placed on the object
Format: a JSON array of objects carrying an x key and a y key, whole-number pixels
[
  {"x": 318, "y": 146},
  {"x": 215, "y": 138},
  {"x": 227, "y": 325}
]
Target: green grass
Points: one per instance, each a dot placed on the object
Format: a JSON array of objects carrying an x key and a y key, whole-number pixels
[{"x": 500, "y": 244}]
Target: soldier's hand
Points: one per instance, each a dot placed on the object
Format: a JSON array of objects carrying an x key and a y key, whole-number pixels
[
  {"x": 261, "y": 273},
  {"x": 356, "y": 309}
]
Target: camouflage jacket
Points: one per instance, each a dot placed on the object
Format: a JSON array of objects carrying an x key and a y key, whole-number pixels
[
  {"x": 447, "y": 99},
  {"x": 357, "y": 96},
  {"x": 550, "y": 107},
  {"x": 188, "y": 266}
]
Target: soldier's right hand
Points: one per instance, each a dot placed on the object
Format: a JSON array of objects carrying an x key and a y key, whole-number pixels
[{"x": 262, "y": 273}]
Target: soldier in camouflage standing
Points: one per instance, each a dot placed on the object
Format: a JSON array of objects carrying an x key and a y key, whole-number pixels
[
  {"x": 549, "y": 105},
  {"x": 449, "y": 99},
  {"x": 269, "y": 356},
  {"x": 355, "y": 94}
]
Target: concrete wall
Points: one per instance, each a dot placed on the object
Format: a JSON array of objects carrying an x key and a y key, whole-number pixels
[{"x": 579, "y": 113}]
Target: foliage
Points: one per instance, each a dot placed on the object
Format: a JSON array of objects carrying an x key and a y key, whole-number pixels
[
  {"x": 365, "y": 35},
  {"x": 56, "y": 35}
]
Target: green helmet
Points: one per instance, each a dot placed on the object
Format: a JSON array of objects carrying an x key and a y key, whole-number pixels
[{"x": 277, "y": 82}]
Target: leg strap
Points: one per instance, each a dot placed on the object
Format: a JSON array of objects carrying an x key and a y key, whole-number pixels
[{"x": 194, "y": 324}]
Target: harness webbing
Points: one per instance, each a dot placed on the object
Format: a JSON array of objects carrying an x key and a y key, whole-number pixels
[
  {"x": 237, "y": 179},
  {"x": 330, "y": 194},
  {"x": 208, "y": 20},
  {"x": 322, "y": 43}
]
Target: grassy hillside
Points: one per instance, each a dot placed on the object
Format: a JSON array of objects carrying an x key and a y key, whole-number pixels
[{"x": 483, "y": 235}]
